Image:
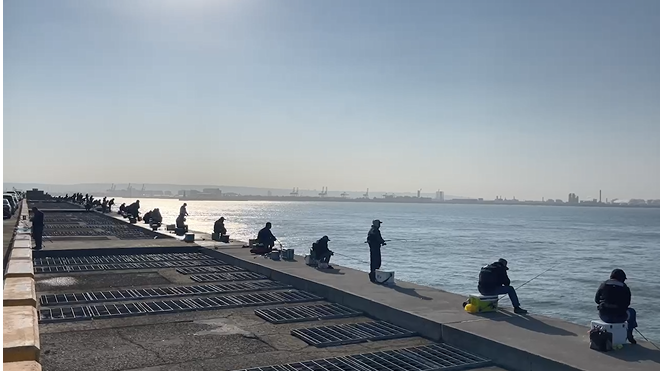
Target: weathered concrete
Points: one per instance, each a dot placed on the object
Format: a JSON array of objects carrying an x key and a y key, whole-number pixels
[
  {"x": 21, "y": 366},
  {"x": 21, "y": 253},
  {"x": 20, "y": 339},
  {"x": 515, "y": 342},
  {"x": 19, "y": 291},
  {"x": 19, "y": 268}
]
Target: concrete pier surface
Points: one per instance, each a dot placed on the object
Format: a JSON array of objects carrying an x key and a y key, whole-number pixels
[
  {"x": 517, "y": 342},
  {"x": 87, "y": 280},
  {"x": 111, "y": 297}
]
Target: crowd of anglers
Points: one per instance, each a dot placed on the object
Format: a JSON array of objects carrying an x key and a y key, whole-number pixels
[{"x": 613, "y": 296}]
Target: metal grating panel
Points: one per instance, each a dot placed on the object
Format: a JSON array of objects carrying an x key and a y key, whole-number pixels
[
  {"x": 174, "y": 305},
  {"x": 434, "y": 357},
  {"x": 327, "y": 336},
  {"x": 233, "y": 276},
  {"x": 306, "y": 313},
  {"x": 122, "y": 266},
  {"x": 127, "y": 258},
  {"x": 158, "y": 292},
  {"x": 219, "y": 269}
]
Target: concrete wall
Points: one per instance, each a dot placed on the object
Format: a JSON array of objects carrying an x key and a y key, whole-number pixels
[{"x": 20, "y": 342}]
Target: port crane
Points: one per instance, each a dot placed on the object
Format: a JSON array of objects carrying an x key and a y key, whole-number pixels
[
  {"x": 344, "y": 195},
  {"x": 295, "y": 192},
  {"x": 324, "y": 192},
  {"x": 366, "y": 195}
]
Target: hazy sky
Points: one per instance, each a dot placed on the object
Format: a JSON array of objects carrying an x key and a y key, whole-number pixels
[{"x": 478, "y": 98}]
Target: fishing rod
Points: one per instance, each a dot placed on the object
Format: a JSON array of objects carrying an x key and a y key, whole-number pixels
[
  {"x": 645, "y": 338},
  {"x": 535, "y": 277}
]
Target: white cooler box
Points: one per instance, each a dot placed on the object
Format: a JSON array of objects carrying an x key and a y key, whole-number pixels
[{"x": 385, "y": 277}]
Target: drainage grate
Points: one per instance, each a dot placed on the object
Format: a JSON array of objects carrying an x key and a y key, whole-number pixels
[
  {"x": 122, "y": 266},
  {"x": 219, "y": 269},
  {"x": 434, "y": 357},
  {"x": 104, "y": 259},
  {"x": 158, "y": 292},
  {"x": 233, "y": 276},
  {"x": 174, "y": 305},
  {"x": 306, "y": 313},
  {"x": 327, "y": 336}
]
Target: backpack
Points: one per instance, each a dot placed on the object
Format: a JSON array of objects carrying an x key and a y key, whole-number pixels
[{"x": 600, "y": 339}]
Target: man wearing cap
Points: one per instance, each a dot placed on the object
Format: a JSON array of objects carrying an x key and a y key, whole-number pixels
[
  {"x": 493, "y": 280},
  {"x": 321, "y": 251},
  {"x": 219, "y": 227},
  {"x": 375, "y": 241},
  {"x": 613, "y": 299}
]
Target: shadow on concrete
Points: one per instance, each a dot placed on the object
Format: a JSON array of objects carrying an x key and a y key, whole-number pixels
[
  {"x": 636, "y": 353},
  {"x": 530, "y": 323},
  {"x": 332, "y": 271},
  {"x": 408, "y": 291}
]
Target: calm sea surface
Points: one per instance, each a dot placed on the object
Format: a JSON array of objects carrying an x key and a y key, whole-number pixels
[{"x": 444, "y": 246}]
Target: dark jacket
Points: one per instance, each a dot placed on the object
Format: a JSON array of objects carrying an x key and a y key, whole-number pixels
[
  {"x": 38, "y": 220},
  {"x": 320, "y": 247},
  {"x": 265, "y": 236},
  {"x": 613, "y": 299},
  {"x": 493, "y": 276},
  {"x": 219, "y": 227},
  {"x": 374, "y": 239}
]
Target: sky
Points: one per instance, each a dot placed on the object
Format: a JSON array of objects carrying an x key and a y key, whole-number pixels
[{"x": 476, "y": 98}]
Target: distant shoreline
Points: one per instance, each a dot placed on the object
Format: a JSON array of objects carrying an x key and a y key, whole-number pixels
[{"x": 403, "y": 200}]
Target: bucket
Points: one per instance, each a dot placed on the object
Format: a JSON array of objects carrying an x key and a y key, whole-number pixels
[
  {"x": 189, "y": 237},
  {"x": 287, "y": 254}
]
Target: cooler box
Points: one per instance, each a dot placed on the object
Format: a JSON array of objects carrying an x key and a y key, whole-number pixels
[
  {"x": 385, "y": 277},
  {"x": 170, "y": 227},
  {"x": 483, "y": 303},
  {"x": 253, "y": 242},
  {"x": 189, "y": 237},
  {"x": 619, "y": 331}
]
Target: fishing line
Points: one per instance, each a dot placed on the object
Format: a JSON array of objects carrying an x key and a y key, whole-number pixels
[
  {"x": 535, "y": 277},
  {"x": 645, "y": 338}
]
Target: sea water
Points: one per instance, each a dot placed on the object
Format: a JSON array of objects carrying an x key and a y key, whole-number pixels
[{"x": 444, "y": 246}]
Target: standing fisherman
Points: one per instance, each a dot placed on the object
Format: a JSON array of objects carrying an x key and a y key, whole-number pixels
[
  {"x": 375, "y": 241},
  {"x": 37, "y": 227}
]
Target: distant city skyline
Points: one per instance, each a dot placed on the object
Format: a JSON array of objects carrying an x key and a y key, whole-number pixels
[
  {"x": 248, "y": 190},
  {"x": 475, "y": 98}
]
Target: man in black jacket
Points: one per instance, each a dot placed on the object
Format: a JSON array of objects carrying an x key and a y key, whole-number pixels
[
  {"x": 613, "y": 299},
  {"x": 37, "y": 227},
  {"x": 493, "y": 280},
  {"x": 375, "y": 241},
  {"x": 266, "y": 238},
  {"x": 321, "y": 251}
]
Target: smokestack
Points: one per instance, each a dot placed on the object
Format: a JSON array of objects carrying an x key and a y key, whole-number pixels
[{"x": 600, "y": 197}]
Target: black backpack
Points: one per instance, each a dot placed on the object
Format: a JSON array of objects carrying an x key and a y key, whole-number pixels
[{"x": 600, "y": 339}]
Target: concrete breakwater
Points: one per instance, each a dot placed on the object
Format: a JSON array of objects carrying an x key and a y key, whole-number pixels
[{"x": 137, "y": 303}]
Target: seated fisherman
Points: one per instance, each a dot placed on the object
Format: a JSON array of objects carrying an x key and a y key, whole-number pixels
[
  {"x": 265, "y": 241},
  {"x": 493, "y": 280},
  {"x": 613, "y": 299},
  {"x": 122, "y": 209},
  {"x": 133, "y": 209},
  {"x": 321, "y": 251},
  {"x": 147, "y": 217},
  {"x": 266, "y": 238},
  {"x": 156, "y": 217},
  {"x": 180, "y": 222},
  {"x": 219, "y": 226}
]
